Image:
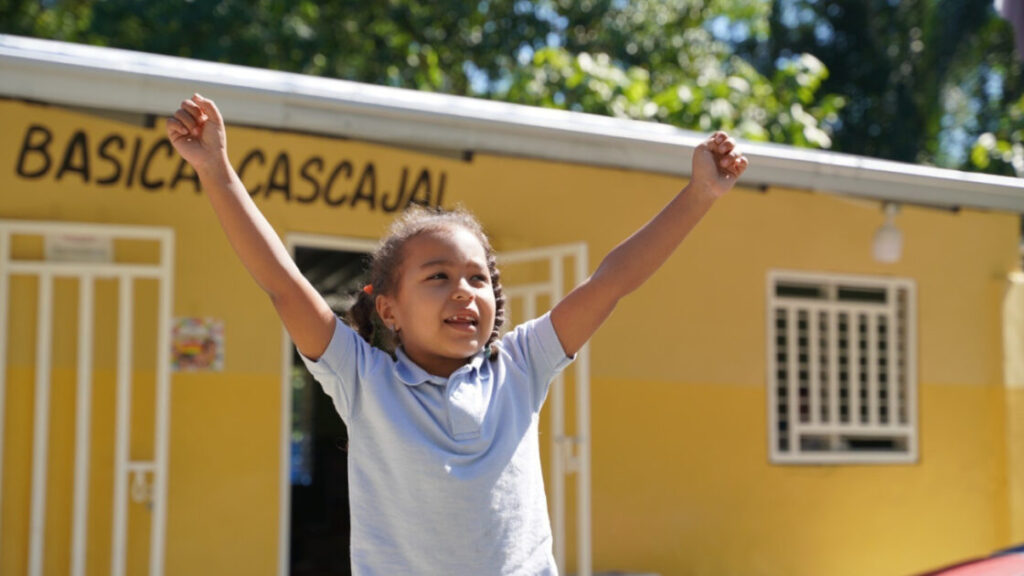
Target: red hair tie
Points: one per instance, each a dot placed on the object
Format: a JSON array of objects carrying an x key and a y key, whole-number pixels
[{"x": 368, "y": 289}]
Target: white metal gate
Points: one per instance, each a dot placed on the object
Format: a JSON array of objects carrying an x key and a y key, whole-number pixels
[
  {"x": 570, "y": 453},
  {"x": 144, "y": 479}
]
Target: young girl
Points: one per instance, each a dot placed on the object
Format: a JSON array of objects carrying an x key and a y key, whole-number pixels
[{"x": 444, "y": 466}]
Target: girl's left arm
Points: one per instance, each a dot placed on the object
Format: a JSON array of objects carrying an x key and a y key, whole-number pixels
[{"x": 716, "y": 166}]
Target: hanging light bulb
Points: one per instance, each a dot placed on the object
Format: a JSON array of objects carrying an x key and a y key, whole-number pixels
[{"x": 888, "y": 245}]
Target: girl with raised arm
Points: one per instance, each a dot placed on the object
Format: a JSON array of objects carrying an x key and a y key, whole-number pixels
[{"x": 444, "y": 465}]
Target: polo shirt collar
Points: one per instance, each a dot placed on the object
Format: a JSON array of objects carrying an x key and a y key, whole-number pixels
[{"x": 412, "y": 374}]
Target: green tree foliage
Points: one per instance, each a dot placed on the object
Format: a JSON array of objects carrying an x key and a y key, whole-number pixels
[
  {"x": 1002, "y": 151},
  {"x": 647, "y": 59},
  {"x": 658, "y": 60},
  {"x": 408, "y": 43},
  {"x": 988, "y": 106},
  {"x": 928, "y": 81}
]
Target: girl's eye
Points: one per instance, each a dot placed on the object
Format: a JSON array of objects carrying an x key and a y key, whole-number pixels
[
  {"x": 438, "y": 276},
  {"x": 481, "y": 278}
]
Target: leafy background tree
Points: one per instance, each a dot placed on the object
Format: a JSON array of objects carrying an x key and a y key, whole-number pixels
[
  {"x": 661, "y": 60},
  {"x": 927, "y": 81}
]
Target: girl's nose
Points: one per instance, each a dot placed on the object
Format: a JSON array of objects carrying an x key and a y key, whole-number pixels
[{"x": 463, "y": 291}]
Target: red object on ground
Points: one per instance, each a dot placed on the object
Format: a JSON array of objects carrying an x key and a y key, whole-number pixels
[{"x": 1005, "y": 565}]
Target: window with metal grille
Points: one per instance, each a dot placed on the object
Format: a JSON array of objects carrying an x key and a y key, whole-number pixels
[{"x": 842, "y": 384}]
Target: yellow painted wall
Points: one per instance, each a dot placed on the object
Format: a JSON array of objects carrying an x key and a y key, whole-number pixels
[{"x": 681, "y": 479}]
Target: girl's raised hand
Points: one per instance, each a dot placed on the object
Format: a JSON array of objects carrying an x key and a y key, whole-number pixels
[
  {"x": 717, "y": 163},
  {"x": 196, "y": 131}
]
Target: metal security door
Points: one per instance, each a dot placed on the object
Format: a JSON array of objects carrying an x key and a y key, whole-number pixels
[
  {"x": 132, "y": 278},
  {"x": 527, "y": 297}
]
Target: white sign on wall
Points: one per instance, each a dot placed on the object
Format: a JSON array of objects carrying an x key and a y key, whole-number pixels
[{"x": 78, "y": 248}]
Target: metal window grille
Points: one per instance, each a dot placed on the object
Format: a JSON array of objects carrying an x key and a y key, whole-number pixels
[{"x": 841, "y": 369}]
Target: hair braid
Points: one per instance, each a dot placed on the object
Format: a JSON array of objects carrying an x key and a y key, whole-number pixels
[{"x": 499, "y": 300}]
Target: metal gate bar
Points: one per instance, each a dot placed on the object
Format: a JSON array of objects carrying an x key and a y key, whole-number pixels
[
  {"x": 118, "y": 550},
  {"x": 41, "y": 425},
  {"x": 83, "y": 424}
]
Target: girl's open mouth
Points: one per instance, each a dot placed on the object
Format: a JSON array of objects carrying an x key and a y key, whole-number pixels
[{"x": 464, "y": 321}]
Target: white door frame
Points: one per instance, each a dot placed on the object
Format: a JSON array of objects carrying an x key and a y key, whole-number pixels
[
  {"x": 87, "y": 273},
  {"x": 569, "y": 454}
]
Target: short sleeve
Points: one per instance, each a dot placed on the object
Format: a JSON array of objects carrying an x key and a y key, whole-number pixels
[
  {"x": 347, "y": 361},
  {"x": 535, "y": 348}
]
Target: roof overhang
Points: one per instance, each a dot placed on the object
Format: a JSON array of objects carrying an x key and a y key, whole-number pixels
[{"x": 126, "y": 81}]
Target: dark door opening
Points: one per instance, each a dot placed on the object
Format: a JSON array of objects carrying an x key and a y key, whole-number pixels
[{"x": 319, "y": 529}]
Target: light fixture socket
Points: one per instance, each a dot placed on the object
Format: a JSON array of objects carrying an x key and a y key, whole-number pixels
[{"x": 888, "y": 244}]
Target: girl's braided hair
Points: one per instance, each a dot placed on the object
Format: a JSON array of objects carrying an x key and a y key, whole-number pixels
[{"x": 386, "y": 262}]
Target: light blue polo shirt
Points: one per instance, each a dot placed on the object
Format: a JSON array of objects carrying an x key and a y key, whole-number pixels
[{"x": 444, "y": 473}]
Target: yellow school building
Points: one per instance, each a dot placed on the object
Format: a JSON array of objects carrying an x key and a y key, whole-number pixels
[{"x": 827, "y": 378}]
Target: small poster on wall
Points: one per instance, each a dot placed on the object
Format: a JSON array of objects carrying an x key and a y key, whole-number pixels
[{"x": 197, "y": 344}]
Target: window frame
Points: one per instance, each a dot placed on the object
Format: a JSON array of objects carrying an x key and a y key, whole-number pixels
[{"x": 829, "y": 283}]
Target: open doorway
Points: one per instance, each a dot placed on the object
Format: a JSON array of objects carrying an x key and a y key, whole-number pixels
[{"x": 318, "y": 473}]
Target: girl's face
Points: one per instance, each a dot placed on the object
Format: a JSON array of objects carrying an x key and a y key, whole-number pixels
[{"x": 443, "y": 305}]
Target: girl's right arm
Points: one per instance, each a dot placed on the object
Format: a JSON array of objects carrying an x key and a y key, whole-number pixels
[{"x": 197, "y": 132}]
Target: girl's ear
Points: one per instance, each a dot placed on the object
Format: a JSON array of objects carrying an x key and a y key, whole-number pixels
[{"x": 386, "y": 310}]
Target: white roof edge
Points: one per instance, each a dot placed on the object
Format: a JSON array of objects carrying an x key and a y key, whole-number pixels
[{"x": 79, "y": 75}]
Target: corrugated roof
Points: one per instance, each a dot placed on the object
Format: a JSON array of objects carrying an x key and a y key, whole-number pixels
[{"x": 79, "y": 75}]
